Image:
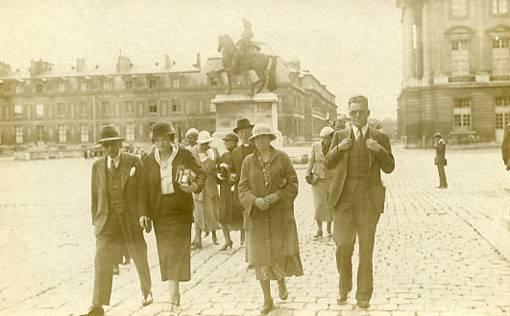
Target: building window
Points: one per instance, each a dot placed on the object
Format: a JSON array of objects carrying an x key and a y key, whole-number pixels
[
  {"x": 458, "y": 8},
  {"x": 84, "y": 132},
  {"x": 39, "y": 110},
  {"x": 176, "y": 83},
  {"x": 460, "y": 57},
  {"x": 18, "y": 109},
  {"x": 129, "y": 85},
  {"x": 462, "y": 113},
  {"x": 39, "y": 130},
  {"x": 153, "y": 108},
  {"x": 499, "y": 6},
  {"x": 129, "y": 106},
  {"x": 501, "y": 56},
  {"x": 62, "y": 134},
  {"x": 176, "y": 105},
  {"x": 130, "y": 132},
  {"x": 19, "y": 134},
  {"x": 61, "y": 109},
  {"x": 105, "y": 107},
  {"x": 152, "y": 83},
  {"x": 39, "y": 88},
  {"x": 503, "y": 101}
]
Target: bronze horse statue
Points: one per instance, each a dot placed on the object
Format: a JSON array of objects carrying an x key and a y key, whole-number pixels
[{"x": 255, "y": 60}]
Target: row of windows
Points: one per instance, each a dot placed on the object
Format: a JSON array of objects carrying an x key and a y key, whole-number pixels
[
  {"x": 460, "y": 8},
  {"x": 500, "y": 56},
  {"x": 88, "y": 85}
]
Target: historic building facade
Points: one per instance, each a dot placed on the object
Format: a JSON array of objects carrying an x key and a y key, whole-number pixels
[
  {"x": 66, "y": 106},
  {"x": 456, "y": 72}
]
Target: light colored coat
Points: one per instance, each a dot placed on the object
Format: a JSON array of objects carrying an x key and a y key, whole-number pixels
[{"x": 317, "y": 162}]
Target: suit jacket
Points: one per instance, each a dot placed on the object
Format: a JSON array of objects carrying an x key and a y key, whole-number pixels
[
  {"x": 150, "y": 183},
  {"x": 440, "y": 153},
  {"x": 505, "y": 146},
  {"x": 99, "y": 188},
  {"x": 316, "y": 163},
  {"x": 338, "y": 161}
]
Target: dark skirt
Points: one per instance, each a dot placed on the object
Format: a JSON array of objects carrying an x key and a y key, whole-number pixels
[{"x": 173, "y": 238}]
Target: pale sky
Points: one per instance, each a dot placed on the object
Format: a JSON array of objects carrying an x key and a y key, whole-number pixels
[{"x": 352, "y": 46}]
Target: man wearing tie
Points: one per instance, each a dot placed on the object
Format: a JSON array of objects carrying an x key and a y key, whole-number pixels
[
  {"x": 114, "y": 206},
  {"x": 357, "y": 155}
]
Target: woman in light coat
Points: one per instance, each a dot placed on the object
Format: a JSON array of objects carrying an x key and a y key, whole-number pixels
[
  {"x": 318, "y": 176},
  {"x": 267, "y": 190}
]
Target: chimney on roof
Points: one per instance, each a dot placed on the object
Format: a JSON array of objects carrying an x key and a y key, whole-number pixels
[
  {"x": 168, "y": 62},
  {"x": 199, "y": 63},
  {"x": 123, "y": 64},
  {"x": 38, "y": 67},
  {"x": 81, "y": 65},
  {"x": 5, "y": 69}
]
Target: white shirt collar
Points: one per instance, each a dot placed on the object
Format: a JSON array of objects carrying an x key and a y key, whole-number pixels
[
  {"x": 115, "y": 160},
  {"x": 364, "y": 130},
  {"x": 175, "y": 148},
  {"x": 246, "y": 145}
]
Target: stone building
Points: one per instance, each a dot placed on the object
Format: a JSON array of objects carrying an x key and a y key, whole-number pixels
[
  {"x": 456, "y": 71},
  {"x": 65, "y": 106}
]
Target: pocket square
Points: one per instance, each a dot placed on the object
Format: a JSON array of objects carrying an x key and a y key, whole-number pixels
[{"x": 132, "y": 171}]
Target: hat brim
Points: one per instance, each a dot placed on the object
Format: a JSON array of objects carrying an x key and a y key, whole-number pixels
[
  {"x": 109, "y": 139},
  {"x": 206, "y": 141},
  {"x": 273, "y": 136},
  {"x": 241, "y": 127}
]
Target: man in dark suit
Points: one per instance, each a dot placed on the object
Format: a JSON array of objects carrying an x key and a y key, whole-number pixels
[
  {"x": 505, "y": 148},
  {"x": 440, "y": 160},
  {"x": 115, "y": 184},
  {"x": 243, "y": 130},
  {"x": 357, "y": 155}
]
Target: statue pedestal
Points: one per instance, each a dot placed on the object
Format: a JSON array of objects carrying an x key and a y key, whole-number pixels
[{"x": 261, "y": 108}]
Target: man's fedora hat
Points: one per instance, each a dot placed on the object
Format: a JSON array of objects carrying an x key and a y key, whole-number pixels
[
  {"x": 109, "y": 133},
  {"x": 243, "y": 123},
  {"x": 162, "y": 129}
]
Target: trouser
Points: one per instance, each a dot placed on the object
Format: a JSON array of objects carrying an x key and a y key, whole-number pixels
[
  {"x": 118, "y": 230},
  {"x": 442, "y": 175},
  {"x": 355, "y": 214}
]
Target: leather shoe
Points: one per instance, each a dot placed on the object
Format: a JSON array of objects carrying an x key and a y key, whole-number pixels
[
  {"x": 94, "y": 310},
  {"x": 363, "y": 304},
  {"x": 147, "y": 299},
  {"x": 342, "y": 299},
  {"x": 267, "y": 307}
]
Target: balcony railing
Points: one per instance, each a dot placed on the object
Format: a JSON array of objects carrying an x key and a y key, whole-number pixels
[
  {"x": 505, "y": 77},
  {"x": 465, "y": 78}
]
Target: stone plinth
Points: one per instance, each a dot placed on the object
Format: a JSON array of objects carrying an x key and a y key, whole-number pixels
[{"x": 261, "y": 108}]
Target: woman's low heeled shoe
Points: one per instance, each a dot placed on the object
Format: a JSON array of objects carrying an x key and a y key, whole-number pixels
[
  {"x": 227, "y": 245},
  {"x": 267, "y": 307}
]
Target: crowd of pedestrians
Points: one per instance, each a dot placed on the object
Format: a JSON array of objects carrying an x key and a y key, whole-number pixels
[{"x": 250, "y": 188}]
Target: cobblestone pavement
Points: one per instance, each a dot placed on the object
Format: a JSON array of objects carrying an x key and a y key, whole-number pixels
[{"x": 431, "y": 255}]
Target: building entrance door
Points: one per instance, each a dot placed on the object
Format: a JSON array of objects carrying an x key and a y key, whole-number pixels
[{"x": 502, "y": 119}]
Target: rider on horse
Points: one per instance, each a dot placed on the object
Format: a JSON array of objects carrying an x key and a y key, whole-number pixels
[{"x": 245, "y": 45}]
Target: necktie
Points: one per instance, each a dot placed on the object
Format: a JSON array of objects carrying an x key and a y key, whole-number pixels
[{"x": 359, "y": 136}]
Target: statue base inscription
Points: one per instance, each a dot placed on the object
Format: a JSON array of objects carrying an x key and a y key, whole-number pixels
[{"x": 261, "y": 108}]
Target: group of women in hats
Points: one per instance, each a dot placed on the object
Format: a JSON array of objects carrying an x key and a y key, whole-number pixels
[{"x": 180, "y": 185}]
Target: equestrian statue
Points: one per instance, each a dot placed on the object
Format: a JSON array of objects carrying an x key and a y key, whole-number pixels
[{"x": 245, "y": 56}]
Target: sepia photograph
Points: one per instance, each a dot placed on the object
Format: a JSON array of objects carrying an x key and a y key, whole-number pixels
[{"x": 270, "y": 157}]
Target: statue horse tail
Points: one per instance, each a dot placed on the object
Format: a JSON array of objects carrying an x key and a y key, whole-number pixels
[{"x": 271, "y": 83}]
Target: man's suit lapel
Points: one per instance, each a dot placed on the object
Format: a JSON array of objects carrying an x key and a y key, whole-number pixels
[
  {"x": 124, "y": 169},
  {"x": 371, "y": 134},
  {"x": 102, "y": 172},
  {"x": 347, "y": 134}
]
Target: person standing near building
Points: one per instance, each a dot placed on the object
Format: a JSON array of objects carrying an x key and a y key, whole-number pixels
[
  {"x": 505, "y": 147},
  {"x": 170, "y": 175},
  {"x": 114, "y": 205},
  {"x": 267, "y": 190},
  {"x": 243, "y": 129},
  {"x": 440, "y": 160},
  {"x": 229, "y": 220},
  {"x": 357, "y": 155},
  {"x": 190, "y": 138},
  {"x": 206, "y": 203},
  {"x": 320, "y": 178}
]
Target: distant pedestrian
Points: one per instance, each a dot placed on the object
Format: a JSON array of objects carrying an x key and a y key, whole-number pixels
[
  {"x": 170, "y": 175},
  {"x": 267, "y": 190},
  {"x": 505, "y": 147},
  {"x": 320, "y": 178},
  {"x": 115, "y": 199},
  {"x": 244, "y": 130},
  {"x": 229, "y": 219},
  {"x": 357, "y": 156},
  {"x": 440, "y": 160},
  {"x": 206, "y": 203},
  {"x": 190, "y": 138}
]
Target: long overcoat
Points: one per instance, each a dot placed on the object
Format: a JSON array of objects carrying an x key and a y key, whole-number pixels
[{"x": 272, "y": 233}]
